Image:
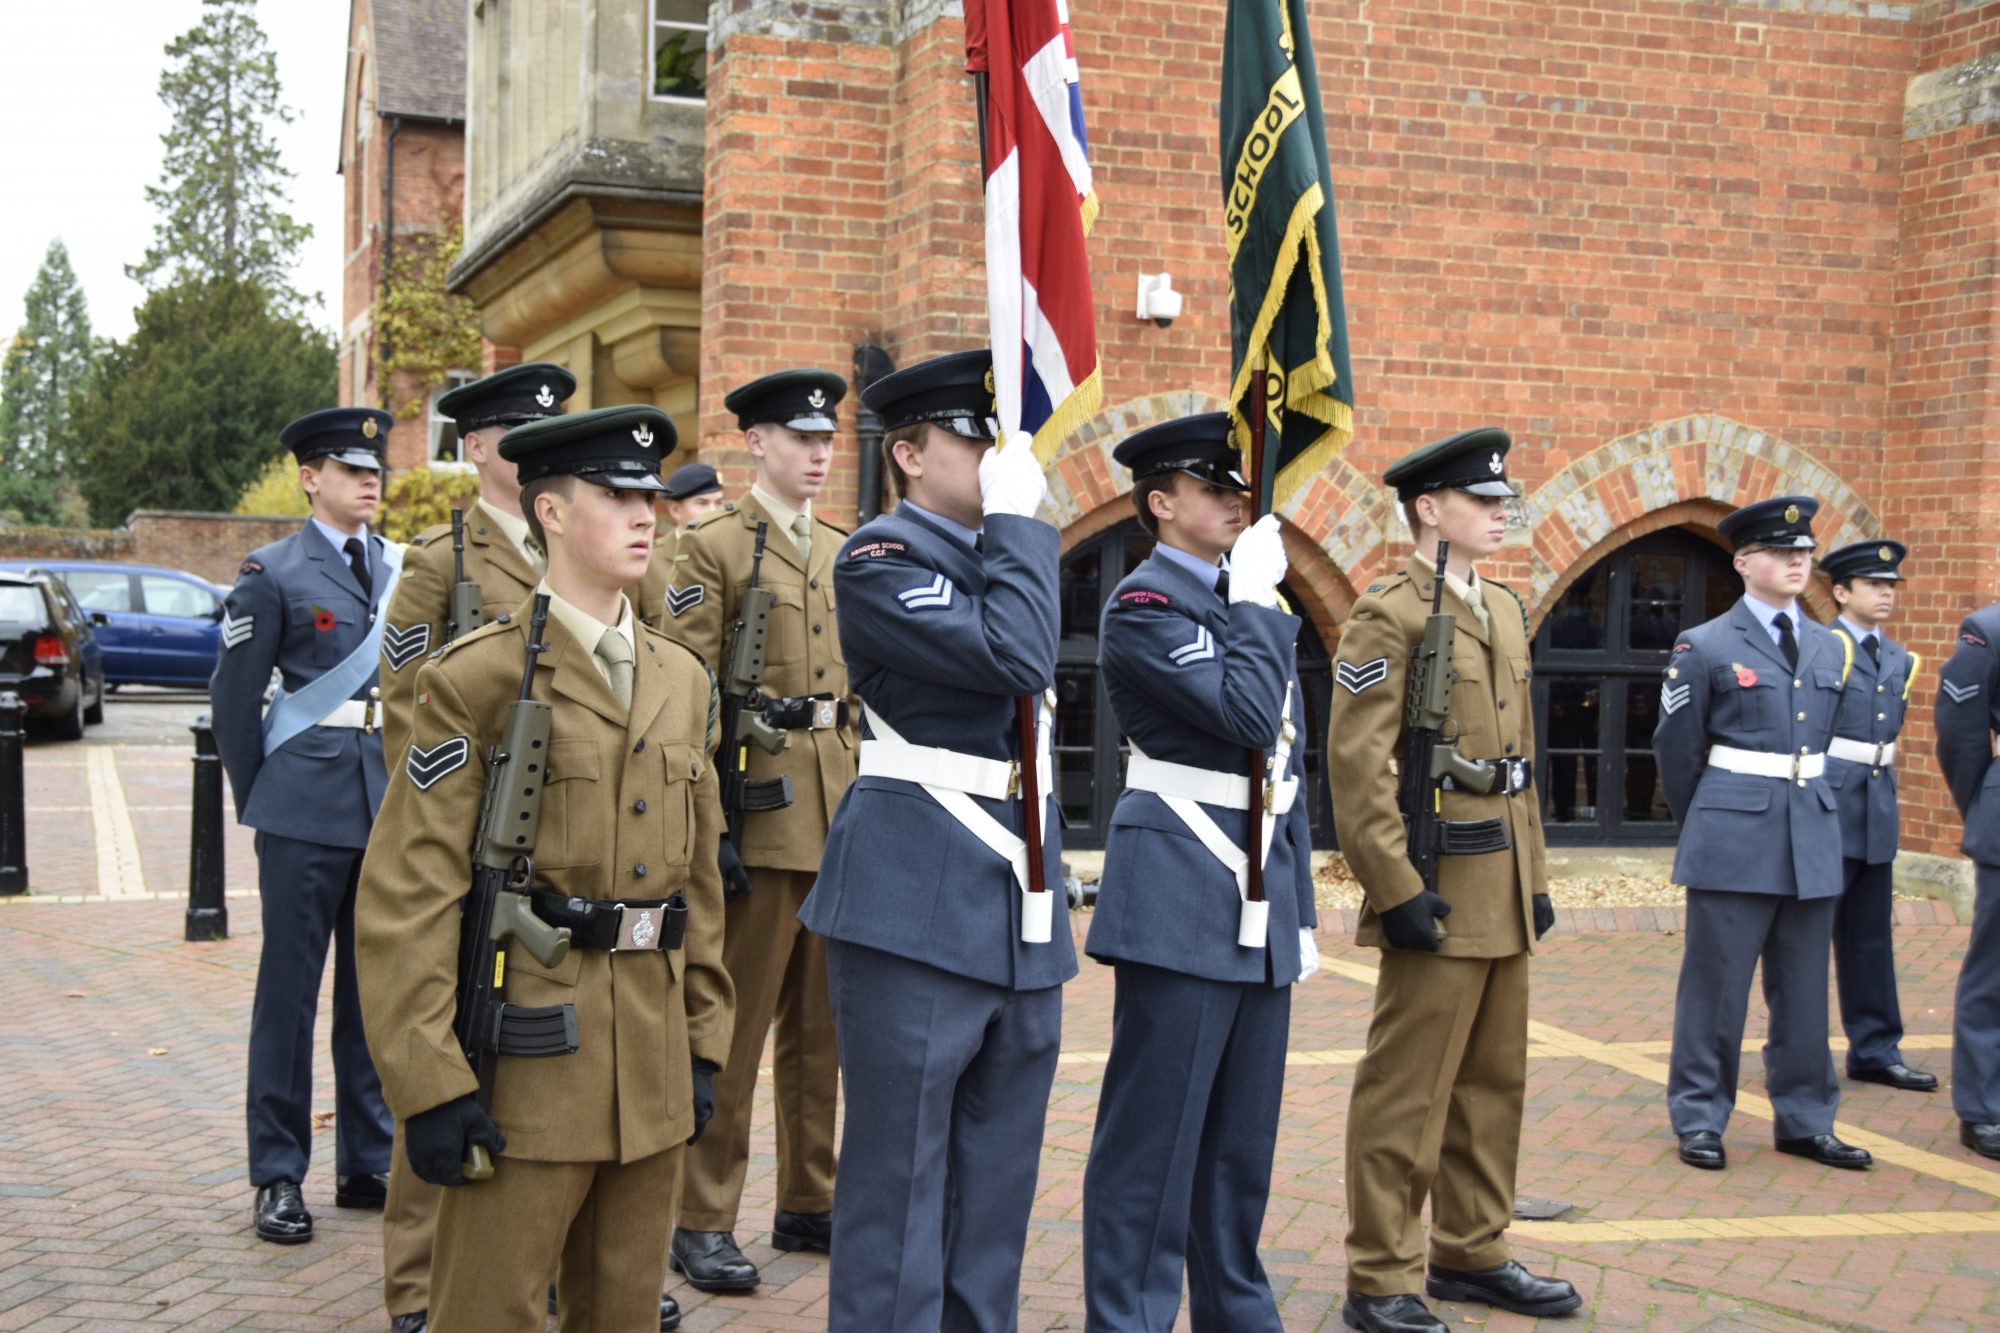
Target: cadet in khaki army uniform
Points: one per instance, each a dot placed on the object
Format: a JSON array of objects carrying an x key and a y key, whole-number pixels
[
  {"x": 777, "y": 966},
  {"x": 1436, "y": 1108},
  {"x": 588, "y": 1144}
]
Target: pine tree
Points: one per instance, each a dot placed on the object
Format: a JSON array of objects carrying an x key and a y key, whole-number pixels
[
  {"x": 47, "y": 364},
  {"x": 223, "y": 190}
]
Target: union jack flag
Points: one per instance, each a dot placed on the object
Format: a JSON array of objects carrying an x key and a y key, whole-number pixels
[{"x": 1039, "y": 205}]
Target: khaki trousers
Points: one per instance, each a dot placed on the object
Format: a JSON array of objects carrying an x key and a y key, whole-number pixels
[
  {"x": 596, "y": 1227},
  {"x": 1436, "y": 1113},
  {"x": 779, "y": 970},
  {"x": 409, "y": 1225}
]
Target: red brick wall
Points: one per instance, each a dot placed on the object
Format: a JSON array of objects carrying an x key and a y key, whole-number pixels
[{"x": 210, "y": 545}]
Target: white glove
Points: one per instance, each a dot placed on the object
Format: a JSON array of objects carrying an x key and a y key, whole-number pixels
[
  {"x": 1308, "y": 953},
  {"x": 1011, "y": 481},
  {"x": 1257, "y": 562}
]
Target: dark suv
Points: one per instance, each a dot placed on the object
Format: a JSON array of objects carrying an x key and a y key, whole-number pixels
[{"x": 48, "y": 653}]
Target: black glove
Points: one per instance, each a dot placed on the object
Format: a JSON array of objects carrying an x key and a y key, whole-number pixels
[
  {"x": 735, "y": 879},
  {"x": 1412, "y": 925},
  {"x": 435, "y": 1140},
  {"x": 1545, "y": 915},
  {"x": 704, "y": 1097}
]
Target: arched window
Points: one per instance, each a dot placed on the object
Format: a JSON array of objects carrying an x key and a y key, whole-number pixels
[
  {"x": 1598, "y": 658},
  {"x": 1089, "y": 751}
]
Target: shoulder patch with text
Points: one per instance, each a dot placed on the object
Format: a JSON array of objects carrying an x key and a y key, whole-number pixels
[
  {"x": 875, "y": 550},
  {"x": 1143, "y": 597}
]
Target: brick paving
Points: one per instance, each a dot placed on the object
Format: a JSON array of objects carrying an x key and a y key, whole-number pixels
[{"x": 123, "y": 1201}]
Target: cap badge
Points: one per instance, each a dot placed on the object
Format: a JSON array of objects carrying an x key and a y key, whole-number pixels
[
  {"x": 1495, "y": 466},
  {"x": 817, "y": 398},
  {"x": 1791, "y": 513},
  {"x": 369, "y": 430},
  {"x": 1886, "y": 554},
  {"x": 643, "y": 435},
  {"x": 546, "y": 397}
]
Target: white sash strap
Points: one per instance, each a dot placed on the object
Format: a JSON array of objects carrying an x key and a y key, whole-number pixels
[{"x": 1862, "y": 752}]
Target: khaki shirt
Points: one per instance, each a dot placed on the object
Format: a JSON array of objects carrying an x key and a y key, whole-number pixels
[
  {"x": 1491, "y": 895},
  {"x": 624, "y": 791},
  {"x": 803, "y": 657}
]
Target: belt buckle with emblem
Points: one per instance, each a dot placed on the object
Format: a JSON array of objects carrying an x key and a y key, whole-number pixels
[
  {"x": 826, "y": 712},
  {"x": 638, "y": 928}
]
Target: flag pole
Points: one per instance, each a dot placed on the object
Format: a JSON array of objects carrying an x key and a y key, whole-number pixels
[
  {"x": 1024, "y": 708},
  {"x": 1253, "y": 884}
]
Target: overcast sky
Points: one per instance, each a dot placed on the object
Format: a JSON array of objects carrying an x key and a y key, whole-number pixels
[{"x": 80, "y": 96}]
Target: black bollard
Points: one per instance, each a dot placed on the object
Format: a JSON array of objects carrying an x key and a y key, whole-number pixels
[
  {"x": 207, "y": 915},
  {"x": 13, "y": 797}
]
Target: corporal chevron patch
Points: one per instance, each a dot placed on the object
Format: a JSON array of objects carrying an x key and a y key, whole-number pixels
[
  {"x": 1959, "y": 693},
  {"x": 680, "y": 601},
  {"x": 405, "y": 644},
  {"x": 1355, "y": 677},
  {"x": 236, "y": 632},
  {"x": 1199, "y": 649},
  {"x": 938, "y": 592},
  {"x": 425, "y": 767},
  {"x": 1673, "y": 698}
]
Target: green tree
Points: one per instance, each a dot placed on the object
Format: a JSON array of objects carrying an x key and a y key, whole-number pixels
[
  {"x": 222, "y": 191},
  {"x": 47, "y": 362},
  {"x": 186, "y": 413}
]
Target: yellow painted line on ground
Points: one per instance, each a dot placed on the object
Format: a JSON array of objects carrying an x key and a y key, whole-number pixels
[
  {"x": 119, "y": 874},
  {"x": 1758, "y": 1228}
]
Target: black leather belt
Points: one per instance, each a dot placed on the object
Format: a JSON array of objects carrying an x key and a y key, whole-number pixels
[
  {"x": 811, "y": 712},
  {"x": 616, "y": 927},
  {"x": 1515, "y": 775}
]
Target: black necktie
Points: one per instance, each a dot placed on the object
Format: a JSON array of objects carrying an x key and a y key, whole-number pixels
[
  {"x": 1787, "y": 643},
  {"x": 979, "y": 543},
  {"x": 1222, "y": 584},
  {"x": 357, "y": 560},
  {"x": 1874, "y": 647}
]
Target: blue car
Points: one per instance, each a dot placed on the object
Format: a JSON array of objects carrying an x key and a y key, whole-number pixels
[{"x": 160, "y": 626}]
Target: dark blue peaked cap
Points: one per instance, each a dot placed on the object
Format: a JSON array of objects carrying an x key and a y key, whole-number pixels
[{"x": 356, "y": 436}]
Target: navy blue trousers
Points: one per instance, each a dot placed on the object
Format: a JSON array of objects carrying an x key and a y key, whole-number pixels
[
  {"x": 1864, "y": 966},
  {"x": 947, "y": 1084},
  {"x": 1180, "y": 1163},
  {"x": 307, "y": 891},
  {"x": 1727, "y": 934},
  {"x": 1975, "y": 1020}
]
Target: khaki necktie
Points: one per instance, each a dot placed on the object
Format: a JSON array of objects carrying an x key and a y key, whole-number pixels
[
  {"x": 616, "y": 654},
  {"x": 802, "y": 536}
]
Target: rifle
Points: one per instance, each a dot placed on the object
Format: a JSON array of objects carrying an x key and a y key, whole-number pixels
[
  {"x": 496, "y": 910},
  {"x": 1429, "y": 756},
  {"x": 743, "y": 720},
  {"x": 467, "y": 605}
]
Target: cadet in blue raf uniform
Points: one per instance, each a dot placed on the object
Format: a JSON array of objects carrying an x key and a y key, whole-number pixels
[
  {"x": 308, "y": 776},
  {"x": 1967, "y": 718},
  {"x": 1199, "y": 662},
  {"x": 946, "y": 973},
  {"x": 1747, "y": 707},
  {"x": 1861, "y": 768}
]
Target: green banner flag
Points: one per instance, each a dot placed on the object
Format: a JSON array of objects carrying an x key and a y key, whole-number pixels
[{"x": 1287, "y": 321}]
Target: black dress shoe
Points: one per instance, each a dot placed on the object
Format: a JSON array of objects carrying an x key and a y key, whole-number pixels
[
  {"x": 1507, "y": 1287},
  {"x": 711, "y": 1261},
  {"x": 367, "y": 1191},
  {"x": 1899, "y": 1076},
  {"x": 1703, "y": 1148},
  {"x": 281, "y": 1215},
  {"x": 1982, "y": 1139},
  {"x": 1388, "y": 1314},
  {"x": 1828, "y": 1151},
  {"x": 793, "y": 1232},
  {"x": 410, "y": 1323}
]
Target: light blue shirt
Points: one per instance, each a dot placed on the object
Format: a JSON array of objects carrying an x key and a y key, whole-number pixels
[
  {"x": 969, "y": 536},
  {"x": 1767, "y": 616},
  {"x": 340, "y": 539},
  {"x": 1859, "y": 635},
  {"x": 1193, "y": 564}
]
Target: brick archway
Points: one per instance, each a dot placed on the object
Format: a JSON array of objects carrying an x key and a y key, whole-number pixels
[{"x": 1687, "y": 472}]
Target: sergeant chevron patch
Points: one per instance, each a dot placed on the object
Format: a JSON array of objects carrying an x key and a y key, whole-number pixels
[
  {"x": 1959, "y": 693},
  {"x": 1355, "y": 677},
  {"x": 1200, "y": 649},
  {"x": 935, "y": 593},
  {"x": 425, "y": 767},
  {"x": 236, "y": 632},
  {"x": 680, "y": 601},
  {"x": 405, "y": 645},
  {"x": 1673, "y": 698}
]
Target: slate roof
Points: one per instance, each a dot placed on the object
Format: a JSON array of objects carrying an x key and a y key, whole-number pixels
[{"x": 420, "y": 58}]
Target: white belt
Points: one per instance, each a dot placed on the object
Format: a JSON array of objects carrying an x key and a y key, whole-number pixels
[
  {"x": 1861, "y": 752},
  {"x": 1760, "y": 763},
  {"x": 360, "y": 714},
  {"x": 1205, "y": 786}
]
